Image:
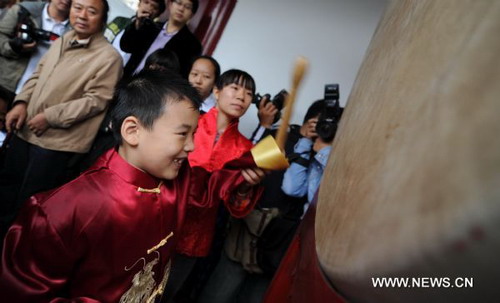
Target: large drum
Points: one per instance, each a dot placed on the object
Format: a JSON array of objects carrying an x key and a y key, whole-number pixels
[{"x": 412, "y": 187}]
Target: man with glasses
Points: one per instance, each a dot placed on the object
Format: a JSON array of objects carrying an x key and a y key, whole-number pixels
[{"x": 142, "y": 37}]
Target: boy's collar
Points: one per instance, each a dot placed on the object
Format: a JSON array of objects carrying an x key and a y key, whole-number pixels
[{"x": 131, "y": 174}]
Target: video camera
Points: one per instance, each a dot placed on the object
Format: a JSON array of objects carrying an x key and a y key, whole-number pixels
[
  {"x": 278, "y": 101},
  {"x": 27, "y": 30},
  {"x": 330, "y": 116}
]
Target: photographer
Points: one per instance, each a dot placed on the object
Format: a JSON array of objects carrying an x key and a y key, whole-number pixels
[
  {"x": 146, "y": 10},
  {"x": 20, "y": 50},
  {"x": 141, "y": 38},
  {"x": 269, "y": 112},
  {"x": 310, "y": 155}
]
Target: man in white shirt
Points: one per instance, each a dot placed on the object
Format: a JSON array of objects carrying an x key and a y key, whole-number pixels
[
  {"x": 19, "y": 56},
  {"x": 55, "y": 20}
]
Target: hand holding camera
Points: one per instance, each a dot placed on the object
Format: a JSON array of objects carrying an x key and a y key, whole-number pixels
[
  {"x": 308, "y": 129},
  {"x": 267, "y": 112},
  {"x": 27, "y": 34},
  {"x": 19, "y": 45},
  {"x": 277, "y": 101},
  {"x": 143, "y": 17}
]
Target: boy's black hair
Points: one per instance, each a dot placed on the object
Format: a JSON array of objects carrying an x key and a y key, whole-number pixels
[
  {"x": 163, "y": 59},
  {"x": 145, "y": 96},
  {"x": 214, "y": 63},
  {"x": 236, "y": 76},
  {"x": 314, "y": 110}
]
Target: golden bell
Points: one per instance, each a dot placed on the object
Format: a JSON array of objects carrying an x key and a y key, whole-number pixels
[{"x": 267, "y": 155}]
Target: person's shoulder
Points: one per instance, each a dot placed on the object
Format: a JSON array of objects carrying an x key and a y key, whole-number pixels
[
  {"x": 106, "y": 49},
  {"x": 13, "y": 10},
  {"x": 186, "y": 33},
  {"x": 87, "y": 192},
  {"x": 34, "y": 7},
  {"x": 244, "y": 141},
  {"x": 70, "y": 208},
  {"x": 120, "y": 20}
]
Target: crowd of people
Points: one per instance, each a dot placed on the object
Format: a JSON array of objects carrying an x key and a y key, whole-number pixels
[{"x": 114, "y": 176}]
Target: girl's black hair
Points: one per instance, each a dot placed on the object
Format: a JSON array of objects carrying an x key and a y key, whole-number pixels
[
  {"x": 236, "y": 76},
  {"x": 214, "y": 63},
  {"x": 163, "y": 59}
]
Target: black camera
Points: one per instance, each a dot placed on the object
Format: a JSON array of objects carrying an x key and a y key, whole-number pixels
[
  {"x": 330, "y": 116},
  {"x": 278, "y": 101},
  {"x": 28, "y": 32},
  {"x": 146, "y": 21}
]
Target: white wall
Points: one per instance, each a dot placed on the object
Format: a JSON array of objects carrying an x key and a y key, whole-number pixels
[
  {"x": 119, "y": 9},
  {"x": 265, "y": 37}
]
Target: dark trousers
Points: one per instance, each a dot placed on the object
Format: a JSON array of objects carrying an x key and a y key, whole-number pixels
[
  {"x": 182, "y": 266},
  {"x": 230, "y": 283},
  {"x": 27, "y": 170}
]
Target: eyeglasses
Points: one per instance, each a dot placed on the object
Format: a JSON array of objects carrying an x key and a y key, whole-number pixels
[{"x": 186, "y": 5}]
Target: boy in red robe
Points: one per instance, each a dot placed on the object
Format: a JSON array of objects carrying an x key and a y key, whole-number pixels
[
  {"x": 217, "y": 141},
  {"x": 108, "y": 236}
]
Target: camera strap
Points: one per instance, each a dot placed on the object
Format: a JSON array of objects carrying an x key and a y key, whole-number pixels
[{"x": 295, "y": 157}]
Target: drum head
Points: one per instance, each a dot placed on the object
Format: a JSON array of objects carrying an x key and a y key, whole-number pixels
[{"x": 412, "y": 187}]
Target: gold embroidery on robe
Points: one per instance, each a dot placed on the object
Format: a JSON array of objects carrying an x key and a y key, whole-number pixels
[
  {"x": 161, "y": 288},
  {"x": 143, "y": 284},
  {"x": 144, "y": 288}
]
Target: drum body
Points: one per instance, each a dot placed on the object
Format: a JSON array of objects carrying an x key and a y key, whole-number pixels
[{"x": 412, "y": 187}]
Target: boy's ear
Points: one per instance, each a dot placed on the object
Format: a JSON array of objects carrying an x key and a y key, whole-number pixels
[{"x": 130, "y": 130}]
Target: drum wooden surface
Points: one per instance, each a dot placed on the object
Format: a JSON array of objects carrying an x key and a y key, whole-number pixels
[{"x": 412, "y": 187}]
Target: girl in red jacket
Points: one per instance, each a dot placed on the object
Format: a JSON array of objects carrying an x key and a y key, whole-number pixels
[{"x": 217, "y": 141}]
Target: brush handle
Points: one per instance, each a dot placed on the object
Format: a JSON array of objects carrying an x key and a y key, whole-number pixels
[{"x": 298, "y": 73}]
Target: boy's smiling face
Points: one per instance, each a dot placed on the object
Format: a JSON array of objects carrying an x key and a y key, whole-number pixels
[{"x": 161, "y": 150}]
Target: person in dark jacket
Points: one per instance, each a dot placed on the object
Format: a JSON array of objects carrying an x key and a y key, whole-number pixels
[{"x": 143, "y": 36}]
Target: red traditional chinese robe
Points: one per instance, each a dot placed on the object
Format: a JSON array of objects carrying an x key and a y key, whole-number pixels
[
  {"x": 109, "y": 234},
  {"x": 198, "y": 231}
]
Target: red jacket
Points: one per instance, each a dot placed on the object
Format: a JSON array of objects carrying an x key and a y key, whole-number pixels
[
  {"x": 199, "y": 228},
  {"x": 100, "y": 236}
]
